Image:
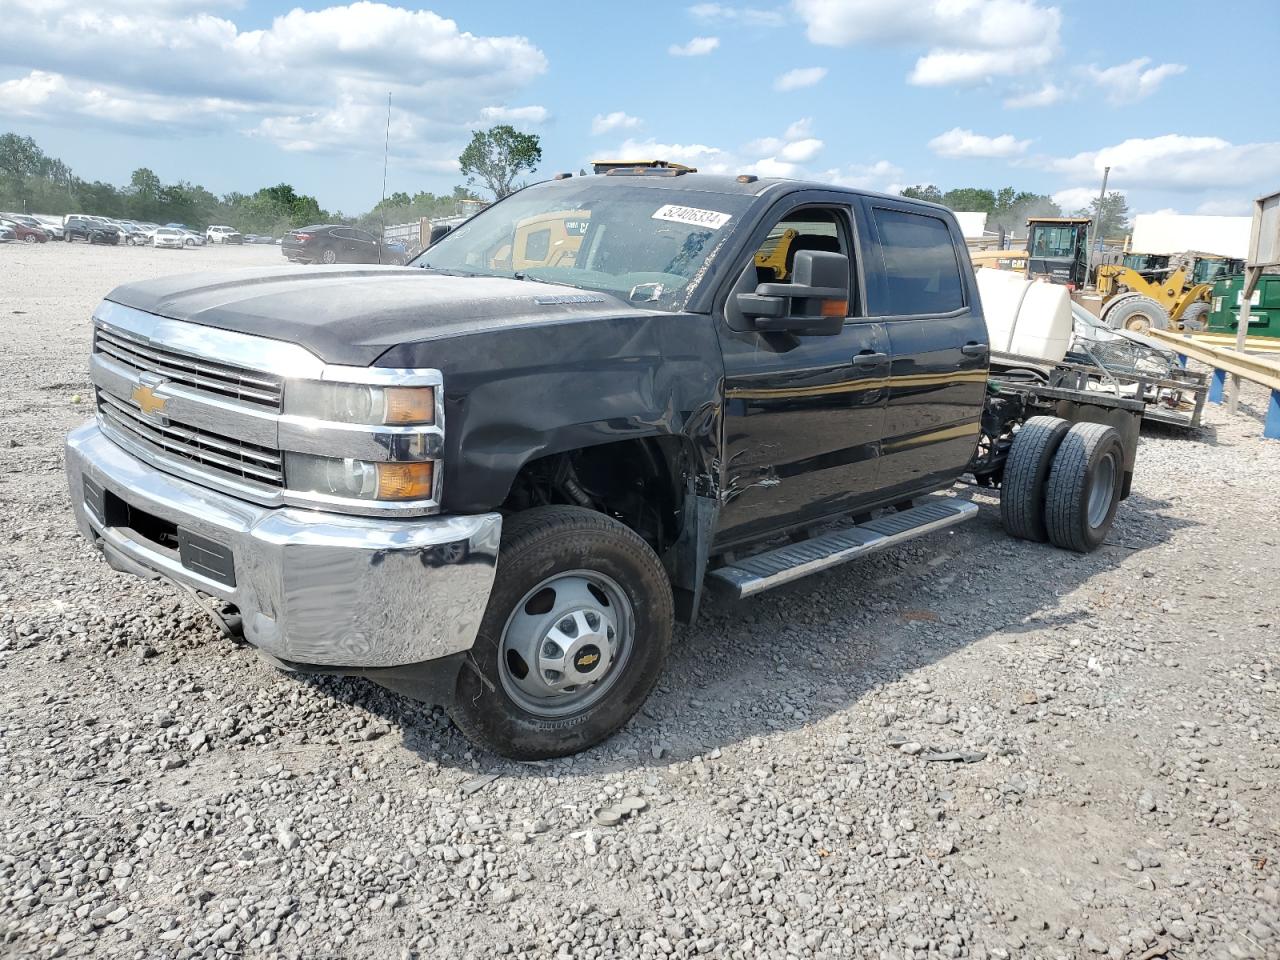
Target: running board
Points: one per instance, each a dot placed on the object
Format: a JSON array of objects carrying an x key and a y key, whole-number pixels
[{"x": 764, "y": 571}]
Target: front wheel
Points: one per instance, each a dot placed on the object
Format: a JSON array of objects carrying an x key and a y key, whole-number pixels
[
  {"x": 29, "y": 238},
  {"x": 573, "y": 640}
]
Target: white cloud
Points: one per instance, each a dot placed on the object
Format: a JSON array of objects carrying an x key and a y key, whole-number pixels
[
  {"x": 41, "y": 95},
  {"x": 309, "y": 80},
  {"x": 957, "y": 143},
  {"x": 617, "y": 120},
  {"x": 1226, "y": 207},
  {"x": 783, "y": 156},
  {"x": 967, "y": 41},
  {"x": 799, "y": 129},
  {"x": 697, "y": 47},
  {"x": 801, "y": 151},
  {"x": 706, "y": 158},
  {"x": 1133, "y": 81},
  {"x": 532, "y": 114},
  {"x": 1175, "y": 162},
  {"x": 880, "y": 175},
  {"x": 751, "y": 16},
  {"x": 799, "y": 78},
  {"x": 1078, "y": 198},
  {"x": 1046, "y": 96}
]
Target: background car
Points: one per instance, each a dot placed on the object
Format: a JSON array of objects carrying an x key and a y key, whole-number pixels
[
  {"x": 51, "y": 225},
  {"x": 135, "y": 235},
  {"x": 338, "y": 243},
  {"x": 7, "y": 235},
  {"x": 23, "y": 231},
  {"x": 221, "y": 234},
  {"x": 90, "y": 231},
  {"x": 170, "y": 237}
]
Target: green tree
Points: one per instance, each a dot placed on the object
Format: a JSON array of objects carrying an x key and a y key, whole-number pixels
[
  {"x": 1110, "y": 215},
  {"x": 924, "y": 192},
  {"x": 495, "y": 157},
  {"x": 976, "y": 199}
]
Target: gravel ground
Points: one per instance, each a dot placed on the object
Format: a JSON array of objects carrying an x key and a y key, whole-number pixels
[{"x": 966, "y": 747}]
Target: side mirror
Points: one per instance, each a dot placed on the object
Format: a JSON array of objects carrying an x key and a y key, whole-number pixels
[{"x": 815, "y": 302}]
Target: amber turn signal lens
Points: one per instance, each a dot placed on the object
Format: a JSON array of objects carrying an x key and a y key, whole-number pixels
[
  {"x": 835, "y": 308},
  {"x": 410, "y": 404},
  {"x": 405, "y": 481}
]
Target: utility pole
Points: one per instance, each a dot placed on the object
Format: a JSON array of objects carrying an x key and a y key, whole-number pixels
[
  {"x": 382, "y": 209},
  {"x": 1092, "y": 234}
]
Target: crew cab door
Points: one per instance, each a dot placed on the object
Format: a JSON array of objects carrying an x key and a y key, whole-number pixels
[
  {"x": 803, "y": 413},
  {"x": 920, "y": 287}
]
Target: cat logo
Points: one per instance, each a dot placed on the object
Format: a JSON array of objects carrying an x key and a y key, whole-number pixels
[
  {"x": 144, "y": 395},
  {"x": 587, "y": 658}
]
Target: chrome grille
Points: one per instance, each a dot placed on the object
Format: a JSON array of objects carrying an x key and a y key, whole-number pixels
[
  {"x": 167, "y": 438},
  {"x": 224, "y": 379}
]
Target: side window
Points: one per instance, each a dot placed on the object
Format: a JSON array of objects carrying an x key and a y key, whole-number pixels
[
  {"x": 824, "y": 229},
  {"x": 341, "y": 234},
  {"x": 537, "y": 245},
  {"x": 921, "y": 273},
  {"x": 803, "y": 230},
  {"x": 362, "y": 235}
]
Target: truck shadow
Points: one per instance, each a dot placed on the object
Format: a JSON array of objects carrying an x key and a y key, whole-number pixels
[{"x": 798, "y": 655}]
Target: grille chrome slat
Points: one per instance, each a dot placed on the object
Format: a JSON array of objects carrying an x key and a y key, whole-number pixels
[
  {"x": 224, "y": 379},
  {"x": 194, "y": 435},
  {"x": 198, "y": 446},
  {"x": 201, "y": 363}
]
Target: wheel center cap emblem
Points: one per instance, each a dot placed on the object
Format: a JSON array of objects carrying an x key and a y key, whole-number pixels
[{"x": 586, "y": 658}]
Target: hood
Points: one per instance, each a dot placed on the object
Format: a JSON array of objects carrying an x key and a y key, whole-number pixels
[{"x": 352, "y": 315}]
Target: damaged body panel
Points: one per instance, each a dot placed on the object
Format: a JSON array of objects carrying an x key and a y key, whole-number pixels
[{"x": 496, "y": 477}]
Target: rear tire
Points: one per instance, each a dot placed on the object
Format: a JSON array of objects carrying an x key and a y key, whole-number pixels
[
  {"x": 539, "y": 546},
  {"x": 1084, "y": 487},
  {"x": 1137, "y": 315},
  {"x": 1022, "y": 491},
  {"x": 1193, "y": 318},
  {"x": 329, "y": 255}
]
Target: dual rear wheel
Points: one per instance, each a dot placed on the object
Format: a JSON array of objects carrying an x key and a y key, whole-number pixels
[{"x": 1062, "y": 483}]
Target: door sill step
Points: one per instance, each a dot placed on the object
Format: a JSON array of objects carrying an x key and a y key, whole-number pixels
[{"x": 764, "y": 571}]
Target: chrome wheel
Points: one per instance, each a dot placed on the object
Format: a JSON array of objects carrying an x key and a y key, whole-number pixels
[
  {"x": 566, "y": 643},
  {"x": 1103, "y": 491},
  {"x": 329, "y": 256}
]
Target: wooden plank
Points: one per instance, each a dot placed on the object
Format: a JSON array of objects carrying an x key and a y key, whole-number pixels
[{"x": 1262, "y": 370}]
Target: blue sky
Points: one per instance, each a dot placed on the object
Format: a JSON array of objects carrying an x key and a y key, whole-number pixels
[{"x": 238, "y": 94}]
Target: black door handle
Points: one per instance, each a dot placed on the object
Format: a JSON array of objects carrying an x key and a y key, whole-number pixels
[
  {"x": 869, "y": 358},
  {"x": 974, "y": 349}
]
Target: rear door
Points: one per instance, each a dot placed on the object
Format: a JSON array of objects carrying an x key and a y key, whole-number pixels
[
  {"x": 803, "y": 413},
  {"x": 920, "y": 289}
]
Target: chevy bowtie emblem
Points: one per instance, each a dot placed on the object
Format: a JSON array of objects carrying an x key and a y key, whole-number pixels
[{"x": 145, "y": 397}]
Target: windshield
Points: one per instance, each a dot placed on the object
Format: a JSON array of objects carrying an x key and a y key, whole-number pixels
[
  {"x": 1056, "y": 241},
  {"x": 639, "y": 243}
]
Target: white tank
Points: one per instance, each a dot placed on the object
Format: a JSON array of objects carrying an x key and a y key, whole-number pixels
[{"x": 1030, "y": 318}]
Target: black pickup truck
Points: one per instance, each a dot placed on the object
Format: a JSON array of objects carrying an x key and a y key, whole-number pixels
[{"x": 494, "y": 477}]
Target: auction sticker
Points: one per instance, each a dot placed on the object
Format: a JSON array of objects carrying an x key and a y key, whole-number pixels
[{"x": 694, "y": 216}]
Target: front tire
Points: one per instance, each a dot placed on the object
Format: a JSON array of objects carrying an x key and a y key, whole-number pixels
[
  {"x": 29, "y": 238},
  {"x": 1084, "y": 487},
  {"x": 585, "y": 599}
]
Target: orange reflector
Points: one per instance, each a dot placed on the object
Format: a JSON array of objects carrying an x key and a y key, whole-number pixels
[
  {"x": 410, "y": 404},
  {"x": 404, "y": 481},
  {"x": 835, "y": 308}
]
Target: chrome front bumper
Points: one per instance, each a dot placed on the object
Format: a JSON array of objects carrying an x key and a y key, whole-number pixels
[{"x": 313, "y": 588}]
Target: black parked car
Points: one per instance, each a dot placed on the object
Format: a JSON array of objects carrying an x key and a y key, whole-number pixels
[
  {"x": 335, "y": 243},
  {"x": 90, "y": 231}
]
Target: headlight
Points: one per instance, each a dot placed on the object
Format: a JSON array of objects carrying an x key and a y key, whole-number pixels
[
  {"x": 360, "y": 403},
  {"x": 358, "y": 479}
]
